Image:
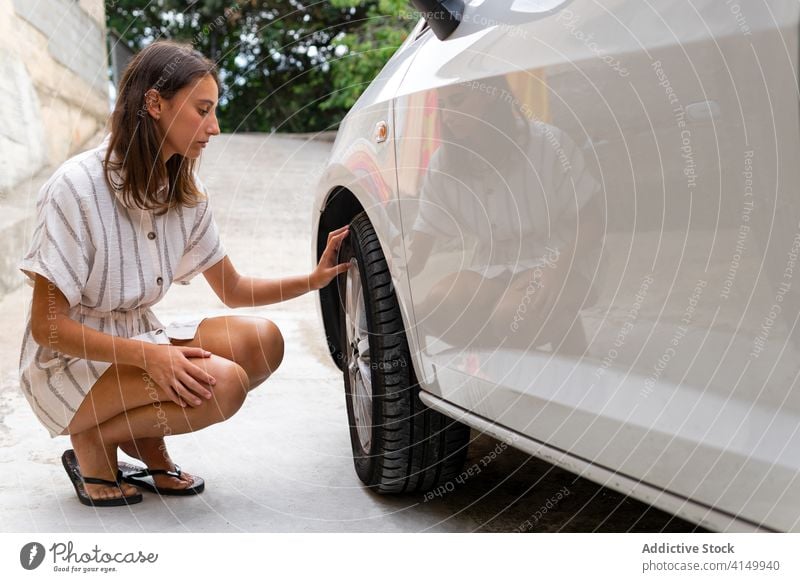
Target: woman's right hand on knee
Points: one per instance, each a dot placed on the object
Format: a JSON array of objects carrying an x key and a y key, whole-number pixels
[{"x": 182, "y": 380}]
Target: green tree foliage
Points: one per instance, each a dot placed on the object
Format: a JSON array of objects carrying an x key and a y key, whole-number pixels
[
  {"x": 286, "y": 65},
  {"x": 369, "y": 46}
]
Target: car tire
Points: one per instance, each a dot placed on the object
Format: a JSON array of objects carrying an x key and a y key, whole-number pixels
[{"x": 399, "y": 445}]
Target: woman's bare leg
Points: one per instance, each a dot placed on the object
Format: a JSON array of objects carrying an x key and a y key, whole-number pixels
[
  {"x": 254, "y": 343},
  {"x": 98, "y": 445},
  {"x": 118, "y": 388},
  {"x": 98, "y": 459},
  {"x": 152, "y": 451},
  {"x": 167, "y": 418}
]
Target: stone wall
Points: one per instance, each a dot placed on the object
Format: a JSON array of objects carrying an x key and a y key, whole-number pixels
[{"x": 53, "y": 83}]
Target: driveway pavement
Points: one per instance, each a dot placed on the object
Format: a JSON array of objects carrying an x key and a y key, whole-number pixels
[{"x": 282, "y": 464}]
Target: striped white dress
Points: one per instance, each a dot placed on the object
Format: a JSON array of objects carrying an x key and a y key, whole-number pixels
[{"x": 112, "y": 263}]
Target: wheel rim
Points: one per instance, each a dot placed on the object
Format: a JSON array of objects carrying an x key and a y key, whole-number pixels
[{"x": 358, "y": 356}]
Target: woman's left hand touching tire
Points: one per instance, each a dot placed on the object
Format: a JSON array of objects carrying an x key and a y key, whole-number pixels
[{"x": 327, "y": 268}]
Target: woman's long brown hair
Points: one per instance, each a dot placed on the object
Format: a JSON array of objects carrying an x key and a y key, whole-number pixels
[{"x": 136, "y": 141}]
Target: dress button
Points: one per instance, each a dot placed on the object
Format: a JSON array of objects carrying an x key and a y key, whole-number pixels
[
  {"x": 151, "y": 235},
  {"x": 159, "y": 280}
]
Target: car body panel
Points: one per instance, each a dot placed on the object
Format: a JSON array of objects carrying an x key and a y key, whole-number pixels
[
  {"x": 669, "y": 351},
  {"x": 691, "y": 510}
]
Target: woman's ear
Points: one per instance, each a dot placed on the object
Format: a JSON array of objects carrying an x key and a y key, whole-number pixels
[{"x": 152, "y": 102}]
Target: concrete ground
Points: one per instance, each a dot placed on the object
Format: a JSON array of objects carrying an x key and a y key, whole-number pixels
[{"x": 283, "y": 463}]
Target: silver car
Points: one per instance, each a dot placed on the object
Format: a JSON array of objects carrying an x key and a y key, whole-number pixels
[{"x": 575, "y": 227}]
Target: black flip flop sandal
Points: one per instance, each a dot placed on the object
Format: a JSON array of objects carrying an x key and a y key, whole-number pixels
[
  {"x": 70, "y": 462},
  {"x": 143, "y": 477}
]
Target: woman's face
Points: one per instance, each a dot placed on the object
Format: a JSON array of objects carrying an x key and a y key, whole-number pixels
[{"x": 189, "y": 119}]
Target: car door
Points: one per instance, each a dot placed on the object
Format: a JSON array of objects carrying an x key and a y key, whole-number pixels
[{"x": 599, "y": 213}]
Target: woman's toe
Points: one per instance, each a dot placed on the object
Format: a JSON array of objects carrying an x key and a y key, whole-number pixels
[
  {"x": 183, "y": 480},
  {"x": 104, "y": 493},
  {"x": 169, "y": 482},
  {"x": 96, "y": 492}
]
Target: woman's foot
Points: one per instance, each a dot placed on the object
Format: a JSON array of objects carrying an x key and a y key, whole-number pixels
[
  {"x": 99, "y": 459},
  {"x": 153, "y": 453}
]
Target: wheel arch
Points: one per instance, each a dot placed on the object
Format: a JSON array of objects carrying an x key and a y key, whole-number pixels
[{"x": 338, "y": 209}]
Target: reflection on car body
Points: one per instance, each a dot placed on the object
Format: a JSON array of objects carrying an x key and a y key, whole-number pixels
[{"x": 601, "y": 265}]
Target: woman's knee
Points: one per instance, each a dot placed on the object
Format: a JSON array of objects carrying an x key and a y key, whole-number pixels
[
  {"x": 266, "y": 350},
  {"x": 230, "y": 390}
]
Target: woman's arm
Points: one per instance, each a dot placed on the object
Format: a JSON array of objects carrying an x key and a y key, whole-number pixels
[
  {"x": 252, "y": 291},
  {"x": 234, "y": 290},
  {"x": 169, "y": 366},
  {"x": 52, "y": 327}
]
